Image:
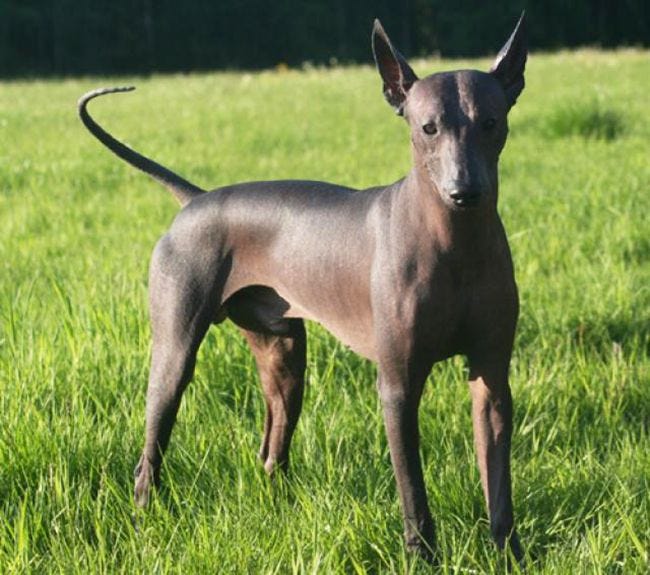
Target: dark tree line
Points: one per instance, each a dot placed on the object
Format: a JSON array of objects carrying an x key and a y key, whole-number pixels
[{"x": 124, "y": 36}]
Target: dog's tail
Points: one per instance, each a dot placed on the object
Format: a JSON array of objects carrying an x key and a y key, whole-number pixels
[{"x": 182, "y": 190}]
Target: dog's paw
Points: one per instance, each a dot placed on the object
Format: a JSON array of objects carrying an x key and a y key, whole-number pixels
[
  {"x": 417, "y": 547},
  {"x": 145, "y": 479}
]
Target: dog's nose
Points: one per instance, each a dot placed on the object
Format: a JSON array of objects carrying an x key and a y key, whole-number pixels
[
  {"x": 465, "y": 198},
  {"x": 463, "y": 194}
]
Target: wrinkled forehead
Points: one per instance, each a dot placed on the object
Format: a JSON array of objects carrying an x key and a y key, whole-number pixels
[{"x": 465, "y": 93}]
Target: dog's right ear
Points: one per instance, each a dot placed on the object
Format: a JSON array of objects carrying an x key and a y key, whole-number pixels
[{"x": 397, "y": 75}]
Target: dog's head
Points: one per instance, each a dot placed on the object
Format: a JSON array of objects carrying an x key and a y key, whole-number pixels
[{"x": 458, "y": 120}]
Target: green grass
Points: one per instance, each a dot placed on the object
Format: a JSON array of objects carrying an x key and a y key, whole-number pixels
[
  {"x": 76, "y": 230},
  {"x": 585, "y": 118}
]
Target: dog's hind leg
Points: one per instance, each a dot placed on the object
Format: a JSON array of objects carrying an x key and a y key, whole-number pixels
[
  {"x": 180, "y": 317},
  {"x": 281, "y": 362}
]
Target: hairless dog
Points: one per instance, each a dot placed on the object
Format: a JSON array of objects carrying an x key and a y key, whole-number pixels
[{"x": 406, "y": 275}]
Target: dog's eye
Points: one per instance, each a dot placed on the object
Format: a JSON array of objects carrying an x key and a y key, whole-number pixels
[
  {"x": 489, "y": 124},
  {"x": 430, "y": 128}
]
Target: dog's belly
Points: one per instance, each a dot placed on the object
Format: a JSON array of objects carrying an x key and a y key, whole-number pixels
[
  {"x": 263, "y": 308},
  {"x": 351, "y": 327},
  {"x": 345, "y": 314},
  {"x": 262, "y": 294}
]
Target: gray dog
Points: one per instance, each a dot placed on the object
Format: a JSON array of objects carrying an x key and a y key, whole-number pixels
[{"x": 406, "y": 275}]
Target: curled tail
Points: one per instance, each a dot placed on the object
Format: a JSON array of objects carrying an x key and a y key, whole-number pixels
[{"x": 182, "y": 190}]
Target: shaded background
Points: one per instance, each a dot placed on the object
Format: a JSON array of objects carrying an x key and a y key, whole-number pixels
[{"x": 69, "y": 37}]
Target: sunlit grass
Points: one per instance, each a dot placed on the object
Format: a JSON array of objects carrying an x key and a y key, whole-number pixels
[{"x": 76, "y": 230}]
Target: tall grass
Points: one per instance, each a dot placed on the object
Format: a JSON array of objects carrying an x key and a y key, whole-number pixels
[
  {"x": 588, "y": 118},
  {"x": 76, "y": 231}
]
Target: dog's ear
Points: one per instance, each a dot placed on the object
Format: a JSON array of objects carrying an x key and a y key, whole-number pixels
[
  {"x": 510, "y": 62},
  {"x": 393, "y": 68}
]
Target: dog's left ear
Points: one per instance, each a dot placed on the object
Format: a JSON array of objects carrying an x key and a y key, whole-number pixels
[
  {"x": 397, "y": 75},
  {"x": 510, "y": 62}
]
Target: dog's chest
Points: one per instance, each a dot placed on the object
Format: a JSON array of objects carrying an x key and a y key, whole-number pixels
[{"x": 452, "y": 307}]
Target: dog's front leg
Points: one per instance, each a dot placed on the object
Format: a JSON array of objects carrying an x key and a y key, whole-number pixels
[
  {"x": 400, "y": 399},
  {"x": 492, "y": 420}
]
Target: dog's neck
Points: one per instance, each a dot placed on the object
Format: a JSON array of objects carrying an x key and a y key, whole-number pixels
[{"x": 464, "y": 231}]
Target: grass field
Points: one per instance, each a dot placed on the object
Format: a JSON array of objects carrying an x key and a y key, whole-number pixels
[{"x": 76, "y": 230}]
